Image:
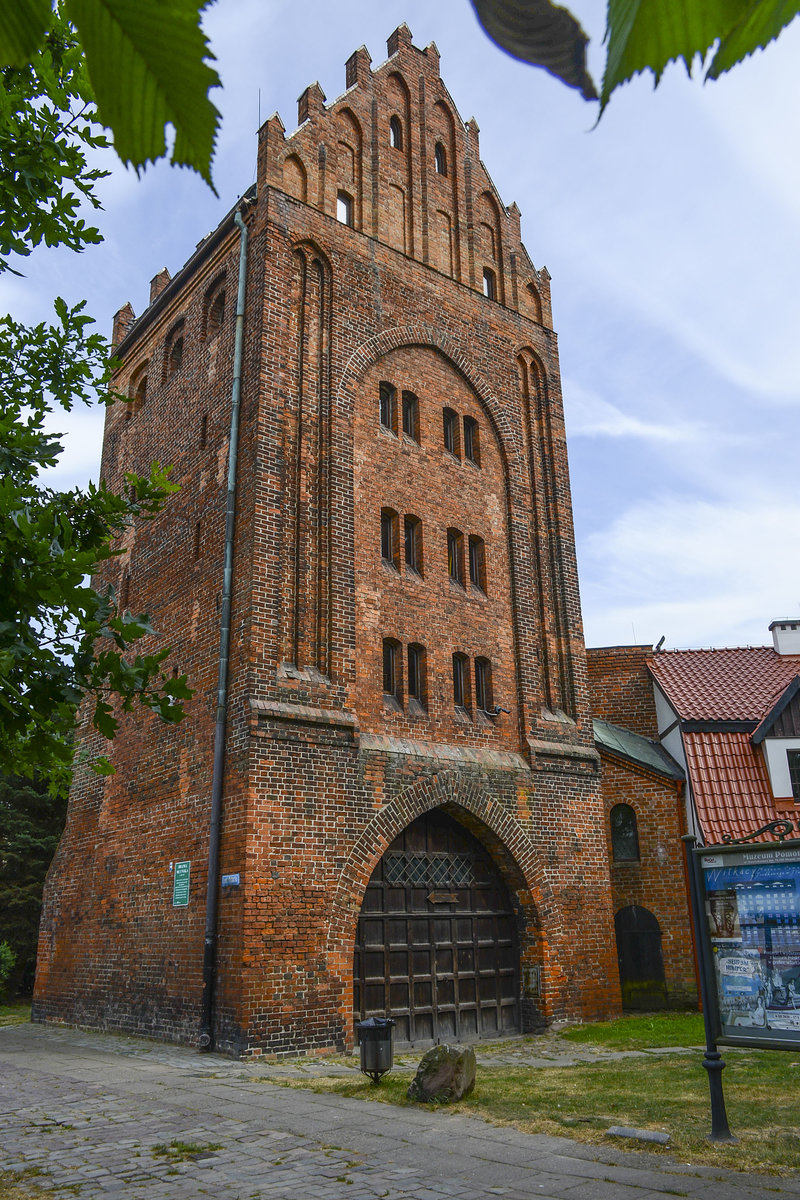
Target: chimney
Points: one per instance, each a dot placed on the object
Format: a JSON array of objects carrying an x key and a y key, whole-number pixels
[{"x": 786, "y": 636}]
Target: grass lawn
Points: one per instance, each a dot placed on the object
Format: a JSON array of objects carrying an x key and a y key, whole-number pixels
[
  {"x": 15, "y": 1014},
  {"x": 13, "y": 1187},
  {"x": 645, "y": 1032},
  {"x": 666, "y": 1092}
]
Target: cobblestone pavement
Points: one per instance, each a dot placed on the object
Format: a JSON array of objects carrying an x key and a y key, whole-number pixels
[{"x": 94, "y": 1115}]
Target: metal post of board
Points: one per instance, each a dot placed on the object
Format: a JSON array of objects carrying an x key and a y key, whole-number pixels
[{"x": 713, "y": 1060}]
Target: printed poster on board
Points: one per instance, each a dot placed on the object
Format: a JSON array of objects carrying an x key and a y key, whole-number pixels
[{"x": 752, "y": 909}]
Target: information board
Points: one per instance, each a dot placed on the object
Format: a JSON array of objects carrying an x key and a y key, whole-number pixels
[
  {"x": 180, "y": 884},
  {"x": 752, "y": 922}
]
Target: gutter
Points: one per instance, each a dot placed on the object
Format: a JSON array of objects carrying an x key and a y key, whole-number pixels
[{"x": 206, "y": 1039}]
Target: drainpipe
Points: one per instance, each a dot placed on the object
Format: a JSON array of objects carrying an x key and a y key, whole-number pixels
[{"x": 206, "y": 1039}]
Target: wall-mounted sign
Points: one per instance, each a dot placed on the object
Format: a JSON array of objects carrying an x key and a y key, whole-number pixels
[
  {"x": 751, "y": 898},
  {"x": 180, "y": 884},
  {"x": 230, "y": 880}
]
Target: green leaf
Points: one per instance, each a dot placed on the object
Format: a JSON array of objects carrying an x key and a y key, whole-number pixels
[
  {"x": 761, "y": 24},
  {"x": 541, "y": 33},
  {"x": 23, "y": 24},
  {"x": 649, "y": 34},
  {"x": 146, "y": 61}
]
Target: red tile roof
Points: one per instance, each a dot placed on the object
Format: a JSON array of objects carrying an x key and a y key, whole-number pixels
[
  {"x": 729, "y": 784},
  {"x": 740, "y": 684}
]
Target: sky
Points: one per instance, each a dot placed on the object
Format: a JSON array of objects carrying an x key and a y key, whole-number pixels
[{"x": 671, "y": 232}]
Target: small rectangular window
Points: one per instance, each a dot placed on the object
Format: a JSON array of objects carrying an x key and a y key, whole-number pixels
[
  {"x": 483, "y": 685},
  {"x": 460, "y": 681},
  {"x": 388, "y": 407},
  {"x": 391, "y": 669},
  {"x": 477, "y": 562},
  {"x": 344, "y": 209},
  {"x": 450, "y": 424},
  {"x": 488, "y": 284},
  {"x": 412, "y": 530},
  {"x": 455, "y": 555},
  {"x": 390, "y": 550},
  {"x": 411, "y": 416},
  {"x": 417, "y": 678},
  {"x": 471, "y": 441}
]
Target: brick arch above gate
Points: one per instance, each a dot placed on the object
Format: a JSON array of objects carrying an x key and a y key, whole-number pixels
[
  {"x": 447, "y": 789},
  {"x": 430, "y": 338}
]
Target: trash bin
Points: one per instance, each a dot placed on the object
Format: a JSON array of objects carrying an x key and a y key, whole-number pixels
[{"x": 376, "y": 1042}]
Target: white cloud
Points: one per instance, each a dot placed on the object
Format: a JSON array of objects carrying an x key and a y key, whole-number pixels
[
  {"x": 699, "y": 571},
  {"x": 589, "y": 415}
]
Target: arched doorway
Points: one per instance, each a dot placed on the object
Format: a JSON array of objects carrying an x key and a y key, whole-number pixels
[
  {"x": 641, "y": 965},
  {"x": 436, "y": 947}
]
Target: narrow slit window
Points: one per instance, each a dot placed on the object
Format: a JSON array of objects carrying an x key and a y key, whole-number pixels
[
  {"x": 125, "y": 592},
  {"x": 483, "y": 686},
  {"x": 417, "y": 675},
  {"x": 451, "y": 440},
  {"x": 392, "y": 683},
  {"x": 455, "y": 555},
  {"x": 388, "y": 407},
  {"x": 390, "y": 551},
  {"x": 477, "y": 562},
  {"x": 216, "y": 315},
  {"x": 440, "y": 159},
  {"x": 489, "y": 288},
  {"x": 396, "y": 133},
  {"x": 344, "y": 209},
  {"x": 412, "y": 531},
  {"x": 138, "y": 392},
  {"x": 176, "y": 356},
  {"x": 411, "y": 416},
  {"x": 472, "y": 449},
  {"x": 461, "y": 681}
]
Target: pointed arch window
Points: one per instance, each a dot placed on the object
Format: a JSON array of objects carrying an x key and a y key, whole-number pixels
[{"x": 396, "y": 133}]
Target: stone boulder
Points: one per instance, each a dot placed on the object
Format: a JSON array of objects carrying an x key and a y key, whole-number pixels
[{"x": 445, "y": 1073}]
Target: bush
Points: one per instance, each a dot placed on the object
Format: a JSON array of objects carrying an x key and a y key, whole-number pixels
[{"x": 7, "y": 960}]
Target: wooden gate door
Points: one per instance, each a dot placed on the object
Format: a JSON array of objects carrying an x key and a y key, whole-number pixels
[
  {"x": 641, "y": 965},
  {"x": 436, "y": 947}
]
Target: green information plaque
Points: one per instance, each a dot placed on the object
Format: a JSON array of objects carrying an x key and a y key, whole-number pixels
[{"x": 180, "y": 884}]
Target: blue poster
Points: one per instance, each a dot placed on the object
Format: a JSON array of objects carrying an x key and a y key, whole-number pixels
[{"x": 752, "y": 908}]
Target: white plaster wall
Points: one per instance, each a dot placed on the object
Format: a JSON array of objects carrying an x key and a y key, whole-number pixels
[
  {"x": 665, "y": 715},
  {"x": 778, "y": 765}
]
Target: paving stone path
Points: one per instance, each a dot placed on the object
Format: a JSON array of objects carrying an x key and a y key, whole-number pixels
[{"x": 93, "y": 1115}]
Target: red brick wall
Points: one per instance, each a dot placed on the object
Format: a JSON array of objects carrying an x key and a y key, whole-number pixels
[
  {"x": 320, "y": 774},
  {"x": 657, "y": 881},
  {"x": 622, "y": 688}
]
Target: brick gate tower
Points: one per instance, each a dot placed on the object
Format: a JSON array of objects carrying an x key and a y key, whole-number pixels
[{"x": 411, "y": 819}]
